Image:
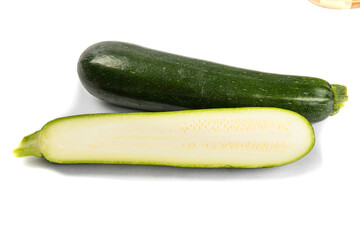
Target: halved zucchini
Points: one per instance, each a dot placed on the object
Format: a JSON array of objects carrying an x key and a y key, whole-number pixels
[{"x": 212, "y": 138}]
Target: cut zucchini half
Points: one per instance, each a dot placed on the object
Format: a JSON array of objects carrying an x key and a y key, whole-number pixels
[{"x": 212, "y": 138}]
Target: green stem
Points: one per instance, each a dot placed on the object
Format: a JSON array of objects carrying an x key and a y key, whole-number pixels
[
  {"x": 29, "y": 146},
  {"x": 340, "y": 96}
]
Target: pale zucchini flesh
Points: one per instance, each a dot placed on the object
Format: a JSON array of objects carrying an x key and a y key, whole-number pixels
[{"x": 212, "y": 138}]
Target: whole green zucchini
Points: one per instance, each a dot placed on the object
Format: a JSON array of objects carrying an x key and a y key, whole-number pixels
[{"x": 136, "y": 77}]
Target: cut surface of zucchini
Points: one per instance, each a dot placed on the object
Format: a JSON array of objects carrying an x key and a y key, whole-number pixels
[{"x": 213, "y": 138}]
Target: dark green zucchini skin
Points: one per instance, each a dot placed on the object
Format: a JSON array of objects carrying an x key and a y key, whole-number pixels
[{"x": 136, "y": 77}]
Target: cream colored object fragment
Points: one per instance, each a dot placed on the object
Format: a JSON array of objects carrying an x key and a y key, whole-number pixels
[{"x": 337, "y": 4}]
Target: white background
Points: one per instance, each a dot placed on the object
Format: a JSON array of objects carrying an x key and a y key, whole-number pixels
[{"x": 316, "y": 197}]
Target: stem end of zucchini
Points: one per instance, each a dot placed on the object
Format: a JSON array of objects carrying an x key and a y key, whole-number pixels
[
  {"x": 29, "y": 146},
  {"x": 340, "y": 96}
]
